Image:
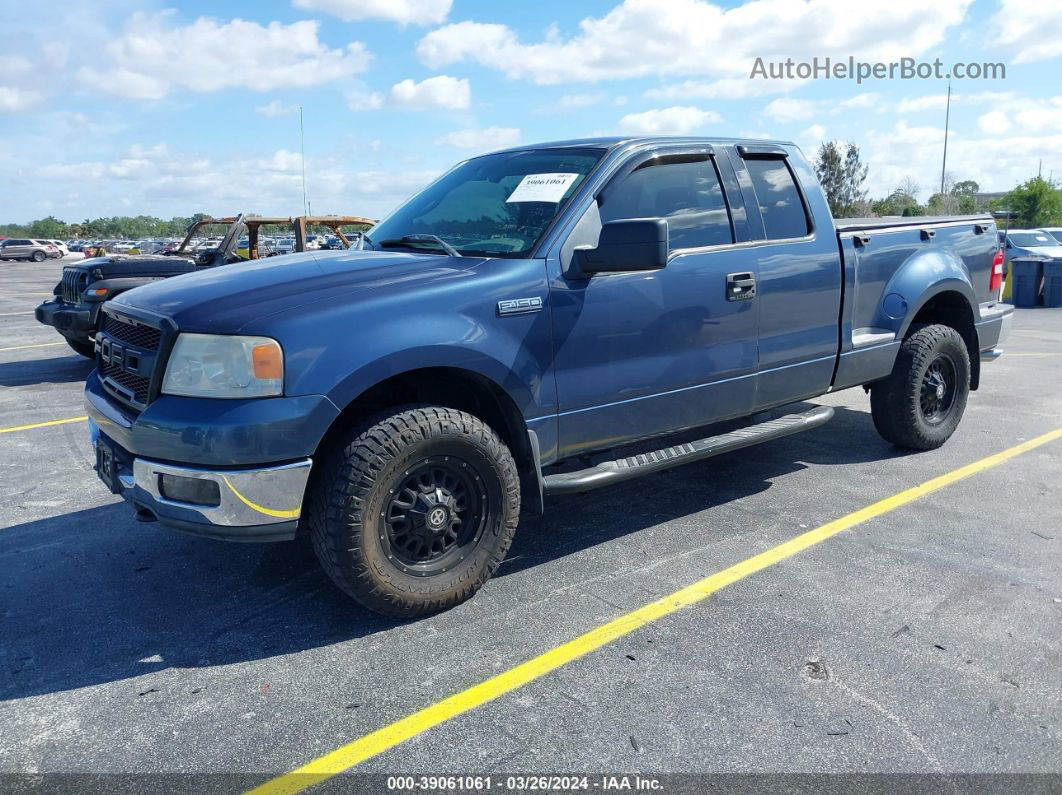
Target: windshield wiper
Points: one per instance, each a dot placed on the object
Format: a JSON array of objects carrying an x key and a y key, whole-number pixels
[{"x": 407, "y": 239}]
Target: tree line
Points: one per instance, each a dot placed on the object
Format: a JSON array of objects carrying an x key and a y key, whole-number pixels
[
  {"x": 118, "y": 227},
  {"x": 1034, "y": 203}
]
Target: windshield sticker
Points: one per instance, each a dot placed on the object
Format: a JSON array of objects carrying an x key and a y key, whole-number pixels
[{"x": 542, "y": 188}]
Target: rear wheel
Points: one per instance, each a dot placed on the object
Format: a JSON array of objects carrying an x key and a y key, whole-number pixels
[
  {"x": 920, "y": 404},
  {"x": 415, "y": 511},
  {"x": 86, "y": 349},
  {"x": 39, "y": 256}
]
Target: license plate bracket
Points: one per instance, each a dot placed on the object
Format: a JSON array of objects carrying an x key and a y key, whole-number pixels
[{"x": 107, "y": 466}]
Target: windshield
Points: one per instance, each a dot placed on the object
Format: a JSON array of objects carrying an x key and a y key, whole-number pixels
[
  {"x": 1031, "y": 239},
  {"x": 497, "y": 205}
]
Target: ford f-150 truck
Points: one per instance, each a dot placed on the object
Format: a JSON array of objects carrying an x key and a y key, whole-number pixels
[{"x": 509, "y": 333}]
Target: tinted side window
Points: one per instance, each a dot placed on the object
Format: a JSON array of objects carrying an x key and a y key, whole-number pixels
[
  {"x": 684, "y": 191},
  {"x": 776, "y": 192}
]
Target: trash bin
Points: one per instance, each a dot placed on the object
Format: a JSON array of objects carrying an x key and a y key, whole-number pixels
[
  {"x": 1028, "y": 273},
  {"x": 1053, "y": 283}
]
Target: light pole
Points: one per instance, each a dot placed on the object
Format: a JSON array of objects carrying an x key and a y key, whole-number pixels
[
  {"x": 302, "y": 147},
  {"x": 944, "y": 160}
]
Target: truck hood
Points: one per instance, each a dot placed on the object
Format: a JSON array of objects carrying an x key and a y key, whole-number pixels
[
  {"x": 226, "y": 298},
  {"x": 134, "y": 265}
]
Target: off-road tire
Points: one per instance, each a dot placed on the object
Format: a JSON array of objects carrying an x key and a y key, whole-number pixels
[
  {"x": 86, "y": 349},
  {"x": 896, "y": 402},
  {"x": 356, "y": 482}
]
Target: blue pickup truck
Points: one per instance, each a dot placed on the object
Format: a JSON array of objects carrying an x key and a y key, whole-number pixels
[{"x": 542, "y": 320}]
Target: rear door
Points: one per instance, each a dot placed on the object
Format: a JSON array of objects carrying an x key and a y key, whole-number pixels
[
  {"x": 798, "y": 273},
  {"x": 645, "y": 353},
  {"x": 18, "y": 248}
]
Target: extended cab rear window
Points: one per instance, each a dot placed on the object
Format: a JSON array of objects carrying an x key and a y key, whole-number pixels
[{"x": 781, "y": 207}]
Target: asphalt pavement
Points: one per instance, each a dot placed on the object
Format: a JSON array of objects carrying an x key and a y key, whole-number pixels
[{"x": 923, "y": 640}]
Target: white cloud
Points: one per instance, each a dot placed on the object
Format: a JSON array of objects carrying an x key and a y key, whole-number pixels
[
  {"x": 939, "y": 101},
  {"x": 11, "y": 65},
  {"x": 785, "y": 109},
  {"x": 283, "y": 161},
  {"x": 917, "y": 104},
  {"x": 441, "y": 91},
  {"x": 995, "y": 121},
  {"x": 404, "y": 12},
  {"x": 361, "y": 100},
  {"x": 723, "y": 88},
  {"x": 14, "y": 99},
  {"x": 694, "y": 37},
  {"x": 155, "y": 180},
  {"x": 677, "y": 120},
  {"x": 911, "y": 151},
  {"x": 1032, "y": 30},
  {"x": 580, "y": 100},
  {"x": 813, "y": 135},
  {"x": 276, "y": 108},
  {"x": 154, "y": 55},
  {"x": 482, "y": 139}
]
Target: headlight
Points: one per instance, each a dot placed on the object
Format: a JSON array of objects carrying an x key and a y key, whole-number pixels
[{"x": 211, "y": 365}]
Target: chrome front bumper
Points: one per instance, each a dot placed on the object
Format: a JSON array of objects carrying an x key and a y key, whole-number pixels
[{"x": 261, "y": 504}]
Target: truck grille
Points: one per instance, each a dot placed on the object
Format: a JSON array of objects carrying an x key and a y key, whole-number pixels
[
  {"x": 128, "y": 358},
  {"x": 137, "y": 384},
  {"x": 141, "y": 336},
  {"x": 73, "y": 284}
]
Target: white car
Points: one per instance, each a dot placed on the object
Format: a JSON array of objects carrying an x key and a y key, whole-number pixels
[
  {"x": 64, "y": 250},
  {"x": 1054, "y": 231}
]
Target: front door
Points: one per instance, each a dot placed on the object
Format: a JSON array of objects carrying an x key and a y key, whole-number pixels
[{"x": 645, "y": 353}]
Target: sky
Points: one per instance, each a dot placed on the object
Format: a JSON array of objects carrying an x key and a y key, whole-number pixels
[{"x": 127, "y": 107}]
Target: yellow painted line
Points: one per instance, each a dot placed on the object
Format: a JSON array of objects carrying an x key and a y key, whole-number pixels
[
  {"x": 356, "y": 752},
  {"x": 261, "y": 508},
  {"x": 42, "y": 425},
  {"x": 24, "y": 347}
]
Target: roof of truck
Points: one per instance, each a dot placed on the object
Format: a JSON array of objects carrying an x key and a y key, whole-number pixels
[{"x": 608, "y": 142}]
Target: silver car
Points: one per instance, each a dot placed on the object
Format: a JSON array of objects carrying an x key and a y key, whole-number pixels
[{"x": 24, "y": 248}]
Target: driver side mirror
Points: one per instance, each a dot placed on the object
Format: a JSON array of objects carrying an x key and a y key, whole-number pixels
[{"x": 624, "y": 246}]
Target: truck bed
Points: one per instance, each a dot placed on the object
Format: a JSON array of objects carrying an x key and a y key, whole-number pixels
[{"x": 892, "y": 266}]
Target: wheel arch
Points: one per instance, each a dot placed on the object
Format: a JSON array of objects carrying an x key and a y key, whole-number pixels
[
  {"x": 951, "y": 306},
  {"x": 453, "y": 387}
]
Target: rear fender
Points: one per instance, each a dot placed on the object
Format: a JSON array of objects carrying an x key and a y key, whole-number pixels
[{"x": 927, "y": 273}]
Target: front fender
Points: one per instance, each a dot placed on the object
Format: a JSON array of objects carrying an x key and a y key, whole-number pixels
[{"x": 512, "y": 352}]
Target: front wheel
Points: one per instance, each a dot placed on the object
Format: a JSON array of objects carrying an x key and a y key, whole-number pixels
[
  {"x": 920, "y": 404},
  {"x": 415, "y": 511}
]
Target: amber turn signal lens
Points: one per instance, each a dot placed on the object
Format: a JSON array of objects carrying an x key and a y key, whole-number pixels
[
  {"x": 97, "y": 292},
  {"x": 268, "y": 362}
]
